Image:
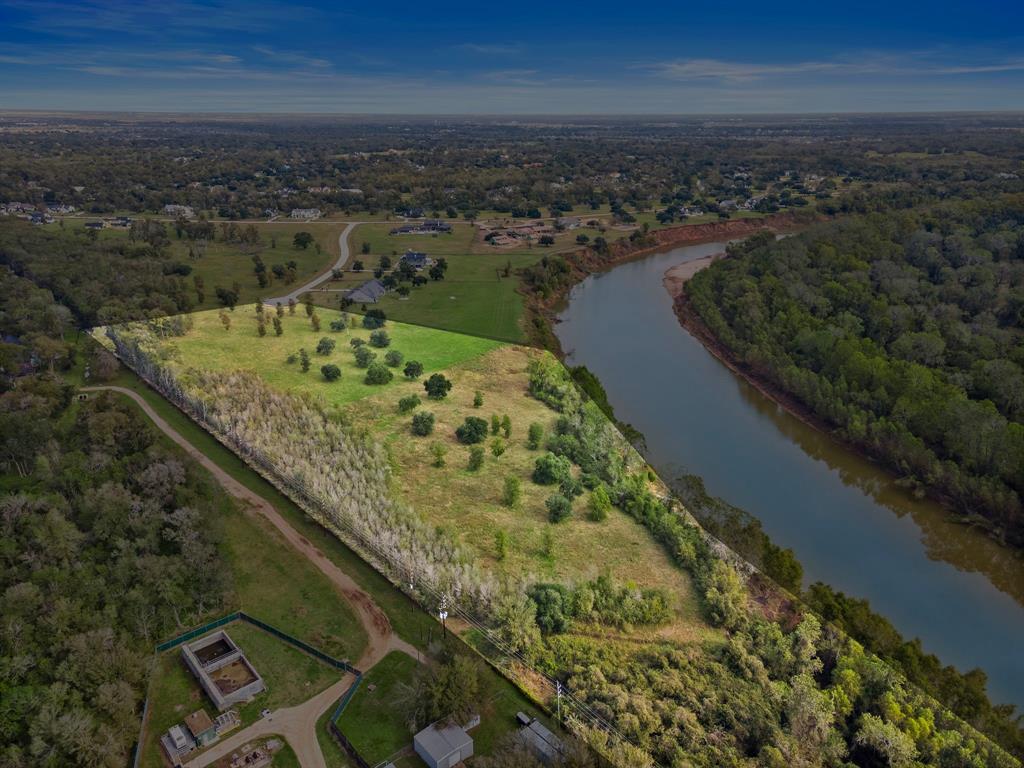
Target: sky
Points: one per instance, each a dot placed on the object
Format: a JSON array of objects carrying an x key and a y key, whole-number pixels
[{"x": 773, "y": 56}]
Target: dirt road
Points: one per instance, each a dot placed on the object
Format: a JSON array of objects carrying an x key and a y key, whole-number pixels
[{"x": 296, "y": 724}]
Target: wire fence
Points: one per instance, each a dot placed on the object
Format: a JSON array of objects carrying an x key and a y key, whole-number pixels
[{"x": 572, "y": 710}]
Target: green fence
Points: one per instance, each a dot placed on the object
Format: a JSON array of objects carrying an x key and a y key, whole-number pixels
[{"x": 269, "y": 628}]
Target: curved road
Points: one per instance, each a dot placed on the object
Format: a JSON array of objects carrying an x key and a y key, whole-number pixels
[
  {"x": 296, "y": 724},
  {"x": 324, "y": 276}
]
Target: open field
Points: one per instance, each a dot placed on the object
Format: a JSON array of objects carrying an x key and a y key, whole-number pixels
[
  {"x": 223, "y": 264},
  {"x": 210, "y": 347},
  {"x": 374, "y": 720},
  {"x": 467, "y": 504}
]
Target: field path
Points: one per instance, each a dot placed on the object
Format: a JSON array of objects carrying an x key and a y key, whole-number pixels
[
  {"x": 326, "y": 275},
  {"x": 297, "y": 724}
]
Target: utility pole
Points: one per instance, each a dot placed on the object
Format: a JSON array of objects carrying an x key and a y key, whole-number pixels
[
  {"x": 558, "y": 695},
  {"x": 443, "y": 615}
]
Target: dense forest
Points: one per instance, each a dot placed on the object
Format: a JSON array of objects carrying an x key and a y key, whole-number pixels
[
  {"x": 103, "y": 551},
  {"x": 903, "y": 330}
]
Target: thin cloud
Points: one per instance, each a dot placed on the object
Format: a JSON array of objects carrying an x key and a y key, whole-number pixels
[
  {"x": 490, "y": 49},
  {"x": 292, "y": 57}
]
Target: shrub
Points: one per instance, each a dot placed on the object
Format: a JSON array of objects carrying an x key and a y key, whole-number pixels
[
  {"x": 408, "y": 403},
  {"x": 374, "y": 318},
  {"x": 378, "y": 374},
  {"x": 325, "y": 346},
  {"x": 380, "y": 339},
  {"x": 472, "y": 430},
  {"x": 438, "y": 450},
  {"x": 599, "y": 504},
  {"x": 571, "y": 487},
  {"x": 534, "y": 436},
  {"x": 559, "y": 507},
  {"x": 437, "y": 386},
  {"x": 506, "y": 426},
  {"x": 476, "y": 458},
  {"x": 497, "y": 446},
  {"x": 338, "y": 325},
  {"x": 394, "y": 358},
  {"x": 304, "y": 360},
  {"x": 500, "y": 545},
  {"x": 423, "y": 423},
  {"x": 495, "y": 424},
  {"x": 478, "y": 399},
  {"x": 365, "y": 356},
  {"x": 331, "y": 372},
  {"x": 550, "y": 469},
  {"x": 355, "y": 343},
  {"x": 413, "y": 369},
  {"x": 292, "y": 358},
  {"x": 513, "y": 491}
]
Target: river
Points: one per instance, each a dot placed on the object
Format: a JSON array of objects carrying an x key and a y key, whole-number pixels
[{"x": 847, "y": 521}]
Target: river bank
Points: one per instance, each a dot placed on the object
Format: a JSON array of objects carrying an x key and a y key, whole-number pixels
[
  {"x": 584, "y": 262},
  {"x": 850, "y": 524},
  {"x": 675, "y": 283}
]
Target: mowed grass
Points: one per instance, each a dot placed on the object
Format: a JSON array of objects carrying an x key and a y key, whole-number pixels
[
  {"x": 469, "y": 505},
  {"x": 374, "y": 720},
  {"x": 208, "y": 346}
]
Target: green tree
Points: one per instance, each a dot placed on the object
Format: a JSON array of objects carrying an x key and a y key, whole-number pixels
[
  {"x": 302, "y": 240},
  {"x": 513, "y": 491},
  {"x": 534, "y": 436},
  {"x": 559, "y": 507},
  {"x": 476, "y": 458},
  {"x": 325, "y": 346},
  {"x": 408, "y": 403},
  {"x": 378, "y": 374},
  {"x": 394, "y": 358},
  {"x": 380, "y": 339},
  {"x": 413, "y": 369},
  {"x": 438, "y": 450},
  {"x": 304, "y": 360},
  {"x": 478, "y": 399},
  {"x": 600, "y": 504},
  {"x": 331, "y": 372},
  {"x": 422, "y": 423},
  {"x": 472, "y": 430},
  {"x": 506, "y": 426},
  {"x": 500, "y": 546},
  {"x": 437, "y": 386},
  {"x": 364, "y": 356}
]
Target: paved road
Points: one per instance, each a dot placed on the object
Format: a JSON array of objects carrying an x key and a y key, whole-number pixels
[
  {"x": 323, "y": 276},
  {"x": 297, "y": 724}
]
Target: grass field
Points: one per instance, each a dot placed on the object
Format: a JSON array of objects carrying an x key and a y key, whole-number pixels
[
  {"x": 223, "y": 264},
  {"x": 208, "y": 346},
  {"x": 373, "y": 720},
  {"x": 467, "y": 504}
]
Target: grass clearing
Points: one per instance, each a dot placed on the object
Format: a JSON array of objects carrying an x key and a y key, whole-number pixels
[
  {"x": 469, "y": 504},
  {"x": 374, "y": 721},
  {"x": 208, "y": 346}
]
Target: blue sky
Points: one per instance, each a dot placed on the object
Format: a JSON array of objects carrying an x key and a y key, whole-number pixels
[{"x": 520, "y": 58}]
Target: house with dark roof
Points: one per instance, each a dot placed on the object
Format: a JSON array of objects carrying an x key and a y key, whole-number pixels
[
  {"x": 369, "y": 292},
  {"x": 417, "y": 260}
]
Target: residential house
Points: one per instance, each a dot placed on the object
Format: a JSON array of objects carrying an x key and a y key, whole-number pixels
[
  {"x": 417, "y": 260},
  {"x": 183, "y": 211},
  {"x": 306, "y": 214},
  {"x": 369, "y": 292}
]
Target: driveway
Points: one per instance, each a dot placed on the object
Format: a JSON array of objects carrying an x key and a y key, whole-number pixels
[{"x": 322, "y": 277}]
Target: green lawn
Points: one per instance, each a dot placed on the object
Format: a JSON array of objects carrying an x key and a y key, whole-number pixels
[
  {"x": 209, "y": 346},
  {"x": 374, "y": 721}
]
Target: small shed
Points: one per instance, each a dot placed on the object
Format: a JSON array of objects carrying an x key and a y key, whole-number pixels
[
  {"x": 443, "y": 745},
  {"x": 201, "y": 727}
]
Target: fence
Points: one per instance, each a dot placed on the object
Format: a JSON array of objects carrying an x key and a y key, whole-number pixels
[
  {"x": 573, "y": 711},
  {"x": 303, "y": 646}
]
